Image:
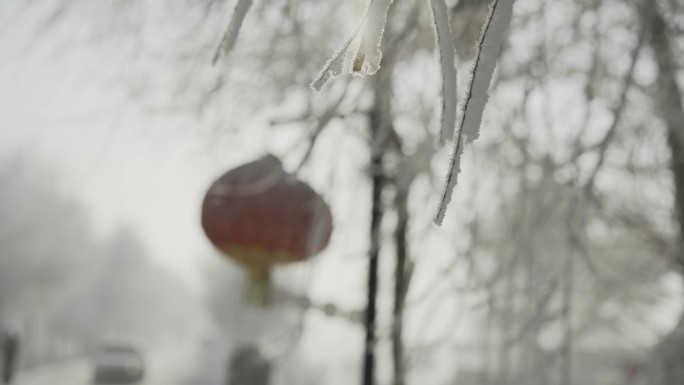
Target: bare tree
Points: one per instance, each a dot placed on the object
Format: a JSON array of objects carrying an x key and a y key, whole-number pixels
[{"x": 561, "y": 228}]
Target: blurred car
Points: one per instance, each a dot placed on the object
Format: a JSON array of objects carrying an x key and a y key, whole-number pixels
[{"x": 118, "y": 364}]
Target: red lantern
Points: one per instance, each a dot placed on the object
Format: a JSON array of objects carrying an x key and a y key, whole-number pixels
[{"x": 259, "y": 215}]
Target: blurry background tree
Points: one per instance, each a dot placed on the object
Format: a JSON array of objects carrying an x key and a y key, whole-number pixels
[
  {"x": 562, "y": 248},
  {"x": 64, "y": 291},
  {"x": 42, "y": 241}
]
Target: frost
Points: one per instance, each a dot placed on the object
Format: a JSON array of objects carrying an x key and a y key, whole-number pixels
[
  {"x": 368, "y": 54},
  {"x": 452, "y": 178},
  {"x": 445, "y": 49},
  {"x": 333, "y": 67},
  {"x": 230, "y": 36},
  {"x": 366, "y": 59},
  {"x": 477, "y": 94},
  {"x": 483, "y": 68}
]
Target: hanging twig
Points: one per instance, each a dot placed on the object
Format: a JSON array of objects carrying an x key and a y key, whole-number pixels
[
  {"x": 334, "y": 66},
  {"x": 477, "y": 93},
  {"x": 368, "y": 54},
  {"x": 447, "y": 61}
]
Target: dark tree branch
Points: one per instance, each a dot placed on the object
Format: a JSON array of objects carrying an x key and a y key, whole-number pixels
[
  {"x": 669, "y": 99},
  {"x": 402, "y": 279},
  {"x": 377, "y": 121},
  {"x": 620, "y": 108}
]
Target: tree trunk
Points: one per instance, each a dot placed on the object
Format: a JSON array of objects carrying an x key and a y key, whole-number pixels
[
  {"x": 402, "y": 277},
  {"x": 380, "y": 121},
  {"x": 670, "y": 352},
  {"x": 378, "y": 182}
]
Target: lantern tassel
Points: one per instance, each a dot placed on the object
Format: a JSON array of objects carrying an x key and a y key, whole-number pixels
[{"x": 259, "y": 288}]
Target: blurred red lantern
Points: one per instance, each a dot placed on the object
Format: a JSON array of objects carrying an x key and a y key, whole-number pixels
[{"x": 260, "y": 216}]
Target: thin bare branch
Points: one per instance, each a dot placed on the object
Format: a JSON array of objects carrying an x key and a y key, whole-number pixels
[
  {"x": 230, "y": 36},
  {"x": 620, "y": 107}
]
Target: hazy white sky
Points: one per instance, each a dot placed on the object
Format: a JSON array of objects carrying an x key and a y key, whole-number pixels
[
  {"x": 125, "y": 165},
  {"x": 61, "y": 107}
]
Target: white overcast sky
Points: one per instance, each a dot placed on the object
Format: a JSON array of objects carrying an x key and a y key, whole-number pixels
[
  {"x": 62, "y": 108},
  {"x": 125, "y": 165}
]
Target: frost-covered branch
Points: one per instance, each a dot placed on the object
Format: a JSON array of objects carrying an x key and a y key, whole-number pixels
[
  {"x": 483, "y": 68},
  {"x": 333, "y": 67},
  {"x": 368, "y": 54},
  {"x": 445, "y": 49},
  {"x": 477, "y": 93},
  {"x": 366, "y": 57},
  {"x": 230, "y": 36}
]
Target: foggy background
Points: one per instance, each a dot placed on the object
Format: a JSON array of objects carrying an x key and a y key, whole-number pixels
[{"x": 560, "y": 260}]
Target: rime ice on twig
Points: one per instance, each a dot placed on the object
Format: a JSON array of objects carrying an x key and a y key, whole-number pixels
[
  {"x": 445, "y": 49},
  {"x": 454, "y": 170},
  {"x": 483, "y": 68},
  {"x": 476, "y": 96},
  {"x": 231, "y": 34},
  {"x": 366, "y": 59},
  {"x": 333, "y": 67},
  {"x": 368, "y": 54}
]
